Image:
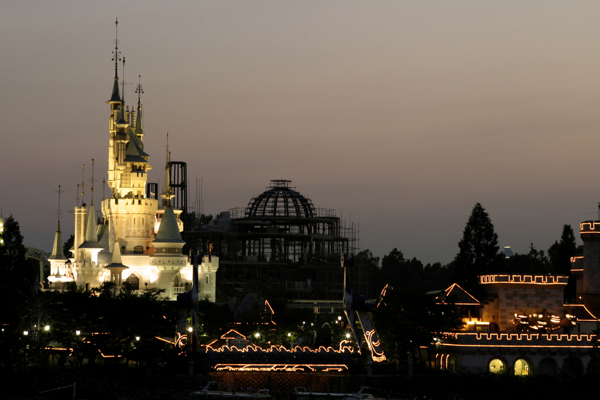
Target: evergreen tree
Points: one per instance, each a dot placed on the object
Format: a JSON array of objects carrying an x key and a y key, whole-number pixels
[
  {"x": 560, "y": 254},
  {"x": 67, "y": 246},
  {"x": 479, "y": 251}
]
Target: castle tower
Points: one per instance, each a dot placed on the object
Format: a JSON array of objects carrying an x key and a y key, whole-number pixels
[
  {"x": 590, "y": 285},
  {"x": 57, "y": 258},
  {"x": 168, "y": 256}
]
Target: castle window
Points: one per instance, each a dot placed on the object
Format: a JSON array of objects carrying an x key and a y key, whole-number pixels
[
  {"x": 138, "y": 250},
  {"x": 133, "y": 282},
  {"x": 522, "y": 367},
  {"x": 207, "y": 280},
  {"x": 497, "y": 366}
]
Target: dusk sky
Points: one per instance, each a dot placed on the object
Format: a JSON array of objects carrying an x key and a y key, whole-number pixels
[{"x": 400, "y": 114}]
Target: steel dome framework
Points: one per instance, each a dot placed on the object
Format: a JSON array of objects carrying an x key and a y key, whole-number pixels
[{"x": 280, "y": 236}]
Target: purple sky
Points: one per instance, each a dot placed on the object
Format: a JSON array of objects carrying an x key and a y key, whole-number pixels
[{"x": 402, "y": 114}]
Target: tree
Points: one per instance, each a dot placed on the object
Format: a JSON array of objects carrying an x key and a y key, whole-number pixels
[
  {"x": 534, "y": 262},
  {"x": 67, "y": 246},
  {"x": 560, "y": 254},
  {"x": 479, "y": 251}
]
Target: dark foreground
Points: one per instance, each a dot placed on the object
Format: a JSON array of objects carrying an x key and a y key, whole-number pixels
[{"x": 125, "y": 384}]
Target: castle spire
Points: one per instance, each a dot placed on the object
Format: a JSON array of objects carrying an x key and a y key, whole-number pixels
[
  {"x": 57, "y": 252},
  {"x": 115, "y": 97},
  {"x": 139, "y": 129},
  {"x": 92, "y": 182},
  {"x": 82, "y": 183}
]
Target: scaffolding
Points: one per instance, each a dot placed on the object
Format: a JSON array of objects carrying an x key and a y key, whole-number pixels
[{"x": 281, "y": 238}]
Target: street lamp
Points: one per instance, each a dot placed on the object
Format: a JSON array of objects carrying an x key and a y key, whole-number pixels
[
  {"x": 257, "y": 335},
  {"x": 47, "y": 328},
  {"x": 78, "y": 332},
  {"x": 25, "y": 333}
]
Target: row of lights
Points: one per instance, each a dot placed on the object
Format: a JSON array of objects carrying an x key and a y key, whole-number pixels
[{"x": 77, "y": 332}]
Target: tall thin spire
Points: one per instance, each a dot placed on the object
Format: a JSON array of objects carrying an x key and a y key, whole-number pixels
[
  {"x": 58, "y": 213},
  {"x": 116, "y": 58},
  {"x": 57, "y": 252},
  {"x": 82, "y": 183},
  {"x": 92, "y": 182},
  {"x": 139, "y": 90},
  {"x": 123, "y": 97}
]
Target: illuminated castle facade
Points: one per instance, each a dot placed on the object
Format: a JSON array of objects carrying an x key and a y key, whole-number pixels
[{"x": 137, "y": 241}]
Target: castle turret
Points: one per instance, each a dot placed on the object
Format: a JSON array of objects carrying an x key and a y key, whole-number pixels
[{"x": 590, "y": 287}]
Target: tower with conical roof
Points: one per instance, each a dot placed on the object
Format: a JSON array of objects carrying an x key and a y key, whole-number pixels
[{"x": 58, "y": 261}]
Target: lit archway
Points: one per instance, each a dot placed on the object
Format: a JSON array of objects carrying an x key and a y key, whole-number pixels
[
  {"x": 522, "y": 367},
  {"x": 497, "y": 366}
]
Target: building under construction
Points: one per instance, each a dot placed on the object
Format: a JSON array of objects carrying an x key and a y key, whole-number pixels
[{"x": 281, "y": 238}]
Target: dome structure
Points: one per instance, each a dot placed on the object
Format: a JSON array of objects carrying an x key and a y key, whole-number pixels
[{"x": 280, "y": 200}]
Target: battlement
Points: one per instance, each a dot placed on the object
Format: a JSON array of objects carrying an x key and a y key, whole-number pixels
[
  {"x": 524, "y": 279},
  {"x": 516, "y": 340}
]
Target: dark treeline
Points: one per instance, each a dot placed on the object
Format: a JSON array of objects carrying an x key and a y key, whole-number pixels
[{"x": 478, "y": 254}]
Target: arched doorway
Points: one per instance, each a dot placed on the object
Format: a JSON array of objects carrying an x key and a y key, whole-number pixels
[
  {"x": 497, "y": 366},
  {"x": 548, "y": 367},
  {"x": 573, "y": 366},
  {"x": 522, "y": 367}
]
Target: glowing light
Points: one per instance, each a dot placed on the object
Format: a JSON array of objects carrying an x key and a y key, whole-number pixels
[
  {"x": 377, "y": 356},
  {"x": 190, "y": 329},
  {"x": 257, "y": 335},
  {"x": 26, "y": 333},
  {"x": 47, "y": 328},
  {"x": 524, "y": 279},
  {"x": 281, "y": 367},
  {"x": 78, "y": 332},
  {"x": 137, "y": 338}
]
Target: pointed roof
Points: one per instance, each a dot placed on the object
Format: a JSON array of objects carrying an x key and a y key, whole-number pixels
[
  {"x": 121, "y": 122},
  {"x": 459, "y": 295},
  {"x": 139, "y": 130},
  {"x": 115, "y": 97},
  {"x": 117, "y": 261},
  {"x": 169, "y": 230},
  {"x": 133, "y": 151},
  {"x": 57, "y": 251},
  {"x": 103, "y": 233},
  {"x": 91, "y": 238}
]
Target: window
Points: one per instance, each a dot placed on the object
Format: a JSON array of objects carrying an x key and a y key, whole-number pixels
[
  {"x": 497, "y": 366},
  {"x": 138, "y": 250},
  {"x": 133, "y": 282},
  {"x": 522, "y": 367}
]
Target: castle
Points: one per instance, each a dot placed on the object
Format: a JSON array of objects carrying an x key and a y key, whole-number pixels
[{"x": 137, "y": 242}]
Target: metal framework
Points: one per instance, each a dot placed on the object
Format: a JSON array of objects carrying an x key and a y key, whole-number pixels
[{"x": 281, "y": 238}]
